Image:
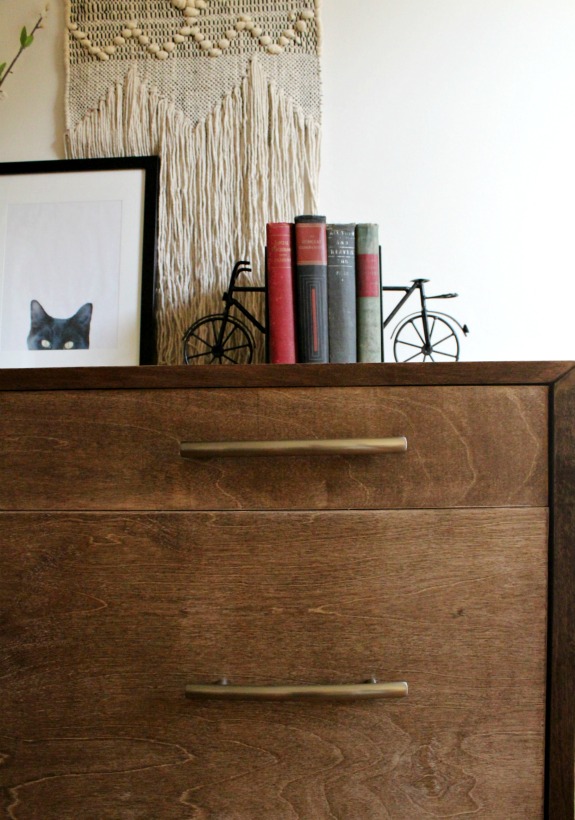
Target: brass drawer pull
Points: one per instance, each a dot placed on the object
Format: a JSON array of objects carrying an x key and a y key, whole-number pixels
[
  {"x": 312, "y": 447},
  {"x": 348, "y": 691}
]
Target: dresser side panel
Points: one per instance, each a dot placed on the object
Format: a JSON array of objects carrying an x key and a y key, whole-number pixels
[{"x": 561, "y": 718}]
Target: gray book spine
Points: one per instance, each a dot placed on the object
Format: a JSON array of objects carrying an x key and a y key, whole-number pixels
[{"x": 341, "y": 293}]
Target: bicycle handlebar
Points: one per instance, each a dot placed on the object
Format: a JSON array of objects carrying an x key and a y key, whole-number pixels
[{"x": 243, "y": 266}]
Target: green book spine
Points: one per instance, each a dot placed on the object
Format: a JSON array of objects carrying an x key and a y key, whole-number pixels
[
  {"x": 341, "y": 296},
  {"x": 368, "y": 288}
]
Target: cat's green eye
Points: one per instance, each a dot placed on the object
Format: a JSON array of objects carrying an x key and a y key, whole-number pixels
[
  {"x": 68, "y": 345},
  {"x": 45, "y": 343}
]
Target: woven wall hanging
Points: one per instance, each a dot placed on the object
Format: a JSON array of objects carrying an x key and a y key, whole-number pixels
[{"x": 228, "y": 94}]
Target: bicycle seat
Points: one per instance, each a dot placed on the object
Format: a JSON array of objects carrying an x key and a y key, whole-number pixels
[{"x": 420, "y": 280}]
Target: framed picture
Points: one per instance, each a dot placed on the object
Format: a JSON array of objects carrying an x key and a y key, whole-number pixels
[{"x": 77, "y": 262}]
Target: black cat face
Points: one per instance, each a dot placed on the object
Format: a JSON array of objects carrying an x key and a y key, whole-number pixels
[{"x": 47, "y": 333}]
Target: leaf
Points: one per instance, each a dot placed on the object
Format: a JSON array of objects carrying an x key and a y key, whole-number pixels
[
  {"x": 2, "y": 67},
  {"x": 25, "y": 38}
]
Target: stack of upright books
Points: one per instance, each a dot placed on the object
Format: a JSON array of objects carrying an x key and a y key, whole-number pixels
[{"x": 323, "y": 291}]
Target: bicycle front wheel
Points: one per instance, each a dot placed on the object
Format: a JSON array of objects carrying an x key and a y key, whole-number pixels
[
  {"x": 410, "y": 344},
  {"x": 218, "y": 339}
]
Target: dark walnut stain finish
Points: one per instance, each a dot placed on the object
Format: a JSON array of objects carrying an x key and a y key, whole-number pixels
[
  {"x": 467, "y": 446},
  {"x": 107, "y": 617},
  {"x": 561, "y": 782},
  {"x": 127, "y": 572},
  {"x": 291, "y": 375}
]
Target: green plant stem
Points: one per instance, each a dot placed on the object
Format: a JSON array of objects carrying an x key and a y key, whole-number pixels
[{"x": 20, "y": 50}]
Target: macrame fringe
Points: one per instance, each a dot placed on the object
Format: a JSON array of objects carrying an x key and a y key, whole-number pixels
[{"x": 254, "y": 160}]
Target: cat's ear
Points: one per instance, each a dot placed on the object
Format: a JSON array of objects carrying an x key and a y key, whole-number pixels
[
  {"x": 84, "y": 314},
  {"x": 37, "y": 312}
]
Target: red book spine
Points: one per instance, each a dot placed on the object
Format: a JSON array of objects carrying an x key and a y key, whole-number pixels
[{"x": 281, "y": 296}]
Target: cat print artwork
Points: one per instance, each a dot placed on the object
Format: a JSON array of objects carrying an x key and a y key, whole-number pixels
[{"x": 48, "y": 333}]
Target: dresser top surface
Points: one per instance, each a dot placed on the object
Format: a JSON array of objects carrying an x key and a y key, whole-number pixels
[{"x": 298, "y": 375}]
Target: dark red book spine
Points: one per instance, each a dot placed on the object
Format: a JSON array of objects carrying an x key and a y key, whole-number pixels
[
  {"x": 311, "y": 288},
  {"x": 281, "y": 293}
]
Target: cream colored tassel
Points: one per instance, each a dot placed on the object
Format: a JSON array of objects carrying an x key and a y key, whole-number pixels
[{"x": 254, "y": 159}]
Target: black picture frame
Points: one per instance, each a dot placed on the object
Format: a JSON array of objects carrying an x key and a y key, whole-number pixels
[{"x": 98, "y": 220}]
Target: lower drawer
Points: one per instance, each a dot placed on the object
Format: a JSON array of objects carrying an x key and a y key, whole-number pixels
[{"x": 107, "y": 617}]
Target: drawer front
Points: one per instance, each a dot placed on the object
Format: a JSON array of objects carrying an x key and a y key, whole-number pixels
[
  {"x": 107, "y": 617},
  {"x": 466, "y": 446}
]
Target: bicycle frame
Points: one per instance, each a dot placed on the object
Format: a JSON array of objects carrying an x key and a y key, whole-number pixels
[
  {"x": 230, "y": 300},
  {"x": 417, "y": 285}
]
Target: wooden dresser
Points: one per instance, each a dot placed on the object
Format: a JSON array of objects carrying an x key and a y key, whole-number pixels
[{"x": 308, "y": 571}]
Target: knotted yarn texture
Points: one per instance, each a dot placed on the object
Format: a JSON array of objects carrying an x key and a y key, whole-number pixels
[{"x": 228, "y": 94}]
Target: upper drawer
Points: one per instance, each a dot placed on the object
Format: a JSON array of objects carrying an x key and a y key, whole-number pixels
[{"x": 100, "y": 449}]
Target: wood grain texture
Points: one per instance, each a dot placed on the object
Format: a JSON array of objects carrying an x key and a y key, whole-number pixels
[
  {"x": 302, "y": 375},
  {"x": 106, "y": 617},
  {"x": 120, "y": 449},
  {"x": 561, "y": 734}
]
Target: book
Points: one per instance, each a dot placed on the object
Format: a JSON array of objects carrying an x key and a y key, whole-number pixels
[
  {"x": 341, "y": 293},
  {"x": 368, "y": 286},
  {"x": 281, "y": 321},
  {"x": 311, "y": 288}
]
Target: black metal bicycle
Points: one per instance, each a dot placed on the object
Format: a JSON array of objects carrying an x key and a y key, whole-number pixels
[
  {"x": 426, "y": 335},
  {"x": 222, "y": 337}
]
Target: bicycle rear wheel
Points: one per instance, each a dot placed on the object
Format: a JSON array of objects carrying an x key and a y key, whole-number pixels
[
  {"x": 410, "y": 345},
  {"x": 218, "y": 339}
]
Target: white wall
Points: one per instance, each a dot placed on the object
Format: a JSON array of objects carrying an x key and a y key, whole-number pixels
[
  {"x": 452, "y": 124},
  {"x": 449, "y": 122}
]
